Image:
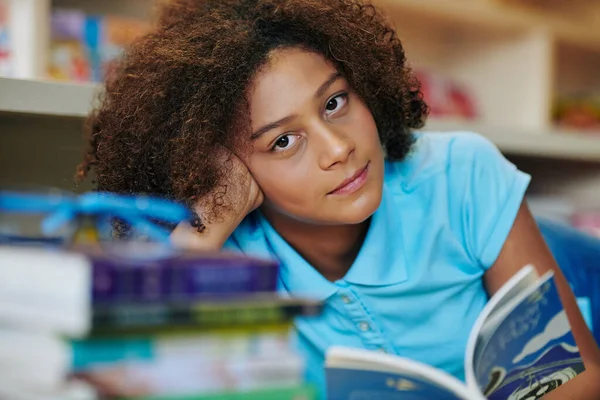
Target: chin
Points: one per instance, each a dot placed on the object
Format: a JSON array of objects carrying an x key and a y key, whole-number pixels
[
  {"x": 350, "y": 211},
  {"x": 360, "y": 209}
]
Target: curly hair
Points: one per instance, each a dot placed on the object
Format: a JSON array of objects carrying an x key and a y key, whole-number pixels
[{"x": 179, "y": 92}]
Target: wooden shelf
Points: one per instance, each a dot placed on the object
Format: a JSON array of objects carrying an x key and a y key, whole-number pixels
[
  {"x": 493, "y": 14},
  {"x": 40, "y": 97},
  {"x": 553, "y": 144}
]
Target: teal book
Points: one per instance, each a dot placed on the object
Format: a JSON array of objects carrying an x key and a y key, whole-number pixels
[
  {"x": 520, "y": 348},
  {"x": 302, "y": 392},
  {"x": 90, "y": 353}
]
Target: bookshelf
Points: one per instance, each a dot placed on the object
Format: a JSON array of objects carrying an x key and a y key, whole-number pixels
[{"x": 514, "y": 55}]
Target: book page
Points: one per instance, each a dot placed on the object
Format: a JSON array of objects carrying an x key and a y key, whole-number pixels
[
  {"x": 532, "y": 351},
  {"x": 498, "y": 304}
]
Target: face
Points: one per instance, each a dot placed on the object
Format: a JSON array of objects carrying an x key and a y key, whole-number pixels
[{"x": 316, "y": 153}]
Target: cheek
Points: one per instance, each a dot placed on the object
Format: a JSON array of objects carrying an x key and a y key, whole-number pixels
[
  {"x": 368, "y": 126},
  {"x": 283, "y": 183},
  {"x": 363, "y": 127}
]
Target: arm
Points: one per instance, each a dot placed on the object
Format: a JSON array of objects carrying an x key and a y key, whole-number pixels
[{"x": 525, "y": 245}]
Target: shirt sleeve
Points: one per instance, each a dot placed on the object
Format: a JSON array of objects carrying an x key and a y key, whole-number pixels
[{"x": 489, "y": 191}]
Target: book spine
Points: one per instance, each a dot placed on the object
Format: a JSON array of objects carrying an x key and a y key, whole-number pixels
[
  {"x": 179, "y": 280},
  {"x": 200, "y": 315}
]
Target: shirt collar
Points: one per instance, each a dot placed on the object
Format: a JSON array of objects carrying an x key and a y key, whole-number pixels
[
  {"x": 380, "y": 262},
  {"x": 296, "y": 276}
]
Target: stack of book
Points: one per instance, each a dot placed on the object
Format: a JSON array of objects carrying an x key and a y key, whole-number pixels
[{"x": 76, "y": 325}]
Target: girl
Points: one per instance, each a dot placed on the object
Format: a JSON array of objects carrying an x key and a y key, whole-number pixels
[{"x": 288, "y": 126}]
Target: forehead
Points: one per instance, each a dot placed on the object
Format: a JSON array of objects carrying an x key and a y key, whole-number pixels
[{"x": 290, "y": 77}]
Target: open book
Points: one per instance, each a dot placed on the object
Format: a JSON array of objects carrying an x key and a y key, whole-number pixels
[{"x": 520, "y": 348}]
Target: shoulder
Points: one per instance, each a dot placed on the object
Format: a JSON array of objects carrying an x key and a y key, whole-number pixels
[
  {"x": 462, "y": 181},
  {"x": 436, "y": 154}
]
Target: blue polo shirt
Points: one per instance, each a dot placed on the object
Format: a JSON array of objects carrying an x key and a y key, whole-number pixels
[{"x": 415, "y": 288}]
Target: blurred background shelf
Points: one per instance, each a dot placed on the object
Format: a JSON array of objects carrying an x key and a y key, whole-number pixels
[
  {"x": 557, "y": 145},
  {"x": 565, "y": 20},
  {"x": 46, "y": 98},
  {"x": 524, "y": 73},
  {"x": 43, "y": 98},
  {"x": 521, "y": 72}
]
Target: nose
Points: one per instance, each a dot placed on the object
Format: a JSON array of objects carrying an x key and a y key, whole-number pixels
[{"x": 334, "y": 146}]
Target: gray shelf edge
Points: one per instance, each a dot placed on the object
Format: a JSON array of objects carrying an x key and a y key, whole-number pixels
[
  {"x": 46, "y": 98},
  {"x": 549, "y": 143}
]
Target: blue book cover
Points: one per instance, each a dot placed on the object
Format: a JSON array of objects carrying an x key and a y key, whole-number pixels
[
  {"x": 365, "y": 385},
  {"x": 531, "y": 351}
]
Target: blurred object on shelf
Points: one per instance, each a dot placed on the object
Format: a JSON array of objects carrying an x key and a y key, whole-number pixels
[
  {"x": 5, "y": 43},
  {"x": 27, "y": 29},
  {"x": 587, "y": 221},
  {"x": 580, "y": 112},
  {"x": 566, "y": 211},
  {"x": 445, "y": 97},
  {"x": 547, "y": 3},
  {"x": 557, "y": 209},
  {"x": 567, "y": 9},
  {"x": 119, "y": 32},
  {"x": 68, "y": 59},
  {"x": 84, "y": 47},
  {"x": 138, "y": 226}
]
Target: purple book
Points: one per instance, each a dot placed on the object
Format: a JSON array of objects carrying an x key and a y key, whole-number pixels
[{"x": 180, "y": 278}]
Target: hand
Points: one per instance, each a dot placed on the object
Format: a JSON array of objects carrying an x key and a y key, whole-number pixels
[
  {"x": 238, "y": 193},
  {"x": 241, "y": 187},
  {"x": 241, "y": 196},
  {"x": 585, "y": 386}
]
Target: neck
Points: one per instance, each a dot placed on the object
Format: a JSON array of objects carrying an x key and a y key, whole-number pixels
[{"x": 330, "y": 249}]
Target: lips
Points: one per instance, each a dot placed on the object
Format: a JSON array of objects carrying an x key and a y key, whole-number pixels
[{"x": 352, "y": 184}]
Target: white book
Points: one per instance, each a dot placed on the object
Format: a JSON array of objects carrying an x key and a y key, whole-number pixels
[
  {"x": 74, "y": 390},
  {"x": 33, "y": 360},
  {"x": 45, "y": 290}
]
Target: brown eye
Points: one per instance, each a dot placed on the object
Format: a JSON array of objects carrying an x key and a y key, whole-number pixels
[
  {"x": 336, "y": 103},
  {"x": 282, "y": 142},
  {"x": 332, "y": 104}
]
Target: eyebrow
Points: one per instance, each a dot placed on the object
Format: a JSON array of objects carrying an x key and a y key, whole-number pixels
[{"x": 273, "y": 125}]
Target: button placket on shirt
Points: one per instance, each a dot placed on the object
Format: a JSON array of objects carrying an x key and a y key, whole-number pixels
[{"x": 349, "y": 303}]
